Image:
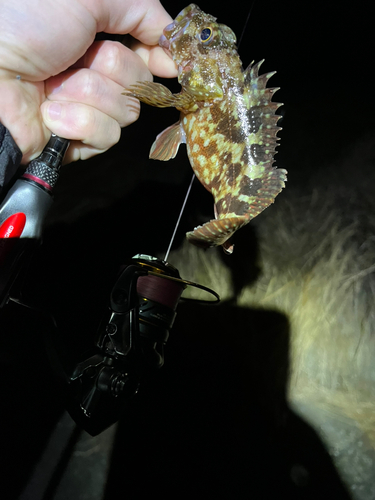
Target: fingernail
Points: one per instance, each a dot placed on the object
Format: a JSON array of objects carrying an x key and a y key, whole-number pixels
[{"x": 54, "y": 111}]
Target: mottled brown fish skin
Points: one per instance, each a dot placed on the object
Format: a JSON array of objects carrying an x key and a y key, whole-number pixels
[
  {"x": 230, "y": 156},
  {"x": 228, "y": 119}
]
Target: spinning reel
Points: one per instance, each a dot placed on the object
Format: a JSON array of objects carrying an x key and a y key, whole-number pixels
[{"x": 130, "y": 343}]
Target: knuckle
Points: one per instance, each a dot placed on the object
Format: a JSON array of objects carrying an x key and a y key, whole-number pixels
[
  {"x": 98, "y": 129},
  {"x": 88, "y": 84},
  {"x": 84, "y": 119},
  {"x": 111, "y": 57}
]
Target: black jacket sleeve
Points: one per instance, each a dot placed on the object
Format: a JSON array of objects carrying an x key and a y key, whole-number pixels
[{"x": 10, "y": 157}]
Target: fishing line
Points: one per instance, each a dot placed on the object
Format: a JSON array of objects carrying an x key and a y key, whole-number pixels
[
  {"x": 179, "y": 218},
  {"x": 192, "y": 179},
  {"x": 246, "y": 23}
]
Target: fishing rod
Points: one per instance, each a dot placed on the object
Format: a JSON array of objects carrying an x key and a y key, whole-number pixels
[{"x": 23, "y": 211}]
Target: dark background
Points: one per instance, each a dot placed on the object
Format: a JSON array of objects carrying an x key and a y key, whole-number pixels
[{"x": 203, "y": 425}]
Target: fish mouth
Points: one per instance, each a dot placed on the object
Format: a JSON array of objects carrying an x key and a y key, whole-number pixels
[
  {"x": 177, "y": 28},
  {"x": 164, "y": 43}
]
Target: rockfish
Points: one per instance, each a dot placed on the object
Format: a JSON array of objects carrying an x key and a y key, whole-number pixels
[{"x": 227, "y": 121}]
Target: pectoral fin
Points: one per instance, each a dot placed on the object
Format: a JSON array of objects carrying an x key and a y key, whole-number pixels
[
  {"x": 167, "y": 143},
  {"x": 156, "y": 94}
]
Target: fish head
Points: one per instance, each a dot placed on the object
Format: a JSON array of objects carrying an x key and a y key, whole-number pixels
[{"x": 203, "y": 50}]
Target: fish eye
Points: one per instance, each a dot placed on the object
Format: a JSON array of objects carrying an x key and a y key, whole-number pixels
[{"x": 206, "y": 35}]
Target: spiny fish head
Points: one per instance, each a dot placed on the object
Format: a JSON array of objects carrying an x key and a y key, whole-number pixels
[{"x": 204, "y": 51}]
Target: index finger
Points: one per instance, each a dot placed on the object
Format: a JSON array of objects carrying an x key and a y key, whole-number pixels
[
  {"x": 157, "y": 61},
  {"x": 143, "y": 19}
]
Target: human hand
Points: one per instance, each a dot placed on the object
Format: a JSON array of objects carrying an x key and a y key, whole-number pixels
[{"x": 55, "y": 78}]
